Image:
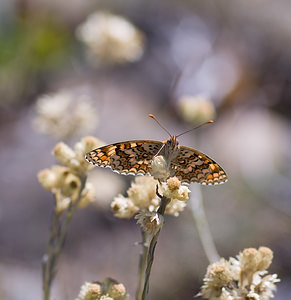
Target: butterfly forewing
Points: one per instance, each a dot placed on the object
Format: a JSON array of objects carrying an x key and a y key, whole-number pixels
[
  {"x": 194, "y": 166},
  {"x": 131, "y": 157}
]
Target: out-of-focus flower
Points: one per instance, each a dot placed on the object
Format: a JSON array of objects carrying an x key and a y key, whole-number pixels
[
  {"x": 109, "y": 184},
  {"x": 109, "y": 289},
  {"x": 196, "y": 109},
  {"x": 65, "y": 114},
  {"x": 242, "y": 278},
  {"x": 111, "y": 39},
  {"x": 142, "y": 197},
  {"x": 65, "y": 181},
  {"x": 75, "y": 159}
]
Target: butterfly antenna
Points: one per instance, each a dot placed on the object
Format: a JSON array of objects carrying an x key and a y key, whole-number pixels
[
  {"x": 153, "y": 117},
  {"x": 208, "y": 122}
]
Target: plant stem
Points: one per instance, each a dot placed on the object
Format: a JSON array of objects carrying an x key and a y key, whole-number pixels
[
  {"x": 198, "y": 213},
  {"x": 56, "y": 241},
  {"x": 142, "y": 264},
  {"x": 152, "y": 247},
  {"x": 47, "y": 258},
  {"x": 150, "y": 260}
]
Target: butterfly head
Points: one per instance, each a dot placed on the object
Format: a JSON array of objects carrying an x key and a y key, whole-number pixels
[{"x": 172, "y": 143}]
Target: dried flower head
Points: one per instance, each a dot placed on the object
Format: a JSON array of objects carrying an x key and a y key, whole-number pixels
[
  {"x": 218, "y": 275},
  {"x": 174, "y": 190},
  {"x": 150, "y": 222},
  {"x": 64, "y": 114},
  {"x": 123, "y": 207},
  {"x": 142, "y": 197},
  {"x": 109, "y": 289},
  {"x": 243, "y": 278},
  {"x": 116, "y": 290},
  {"x": 90, "y": 291},
  {"x": 110, "y": 39},
  {"x": 196, "y": 109},
  {"x": 143, "y": 192}
]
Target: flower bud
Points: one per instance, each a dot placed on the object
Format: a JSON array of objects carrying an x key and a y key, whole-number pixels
[
  {"x": 63, "y": 153},
  {"x": 47, "y": 178}
]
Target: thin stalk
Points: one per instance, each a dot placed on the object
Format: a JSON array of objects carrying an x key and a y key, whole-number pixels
[
  {"x": 150, "y": 260},
  {"x": 47, "y": 258},
  {"x": 198, "y": 213},
  {"x": 142, "y": 264},
  {"x": 57, "y": 237},
  {"x": 152, "y": 247}
]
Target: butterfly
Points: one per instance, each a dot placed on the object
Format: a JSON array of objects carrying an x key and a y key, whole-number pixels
[{"x": 136, "y": 156}]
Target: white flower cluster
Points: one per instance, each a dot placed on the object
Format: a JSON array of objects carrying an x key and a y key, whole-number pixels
[
  {"x": 142, "y": 197},
  {"x": 242, "y": 278},
  {"x": 110, "y": 39},
  {"x": 64, "y": 114},
  {"x": 65, "y": 181}
]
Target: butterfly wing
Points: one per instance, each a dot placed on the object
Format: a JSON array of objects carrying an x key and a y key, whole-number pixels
[
  {"x": 131, "y": 157},
  {"x": 193, "y": 166}
]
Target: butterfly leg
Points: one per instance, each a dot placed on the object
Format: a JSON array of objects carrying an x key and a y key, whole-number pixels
[{"x": 158, "y": 151}]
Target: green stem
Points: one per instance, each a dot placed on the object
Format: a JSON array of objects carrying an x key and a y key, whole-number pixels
[
  {"x": 150, "y": 260},
  {"x": 47, "y": 261},
  {"x": 57, "y": 237},
  {"x": 152, "y": 247},
  {"x": 142, "y": 264}
]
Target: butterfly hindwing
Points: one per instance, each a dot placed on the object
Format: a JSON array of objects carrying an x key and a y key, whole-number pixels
[
  {"x": 194, "y": 166},
  {"x": 130, "y": 157}
]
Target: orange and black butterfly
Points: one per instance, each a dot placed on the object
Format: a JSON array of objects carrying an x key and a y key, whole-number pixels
[{"x": 135, "y": 157}]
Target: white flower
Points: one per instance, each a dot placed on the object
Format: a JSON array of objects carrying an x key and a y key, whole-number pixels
[
  {"x": 109, "y": 289},
  {"x": 123, "y": 207},
  {"x": 75, "y": 159},
  {"x": 110, "y": 39},
  {"x": 242, "y": 278},
  {"x": 143, "y": 192},
  {"x": 90, "y": 290},
  {"x": 173, "y": 189},
  {"x": 142, "y": 196}
]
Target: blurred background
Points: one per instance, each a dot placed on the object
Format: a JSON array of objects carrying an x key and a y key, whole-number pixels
[{"x": 73, "y": 69}]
